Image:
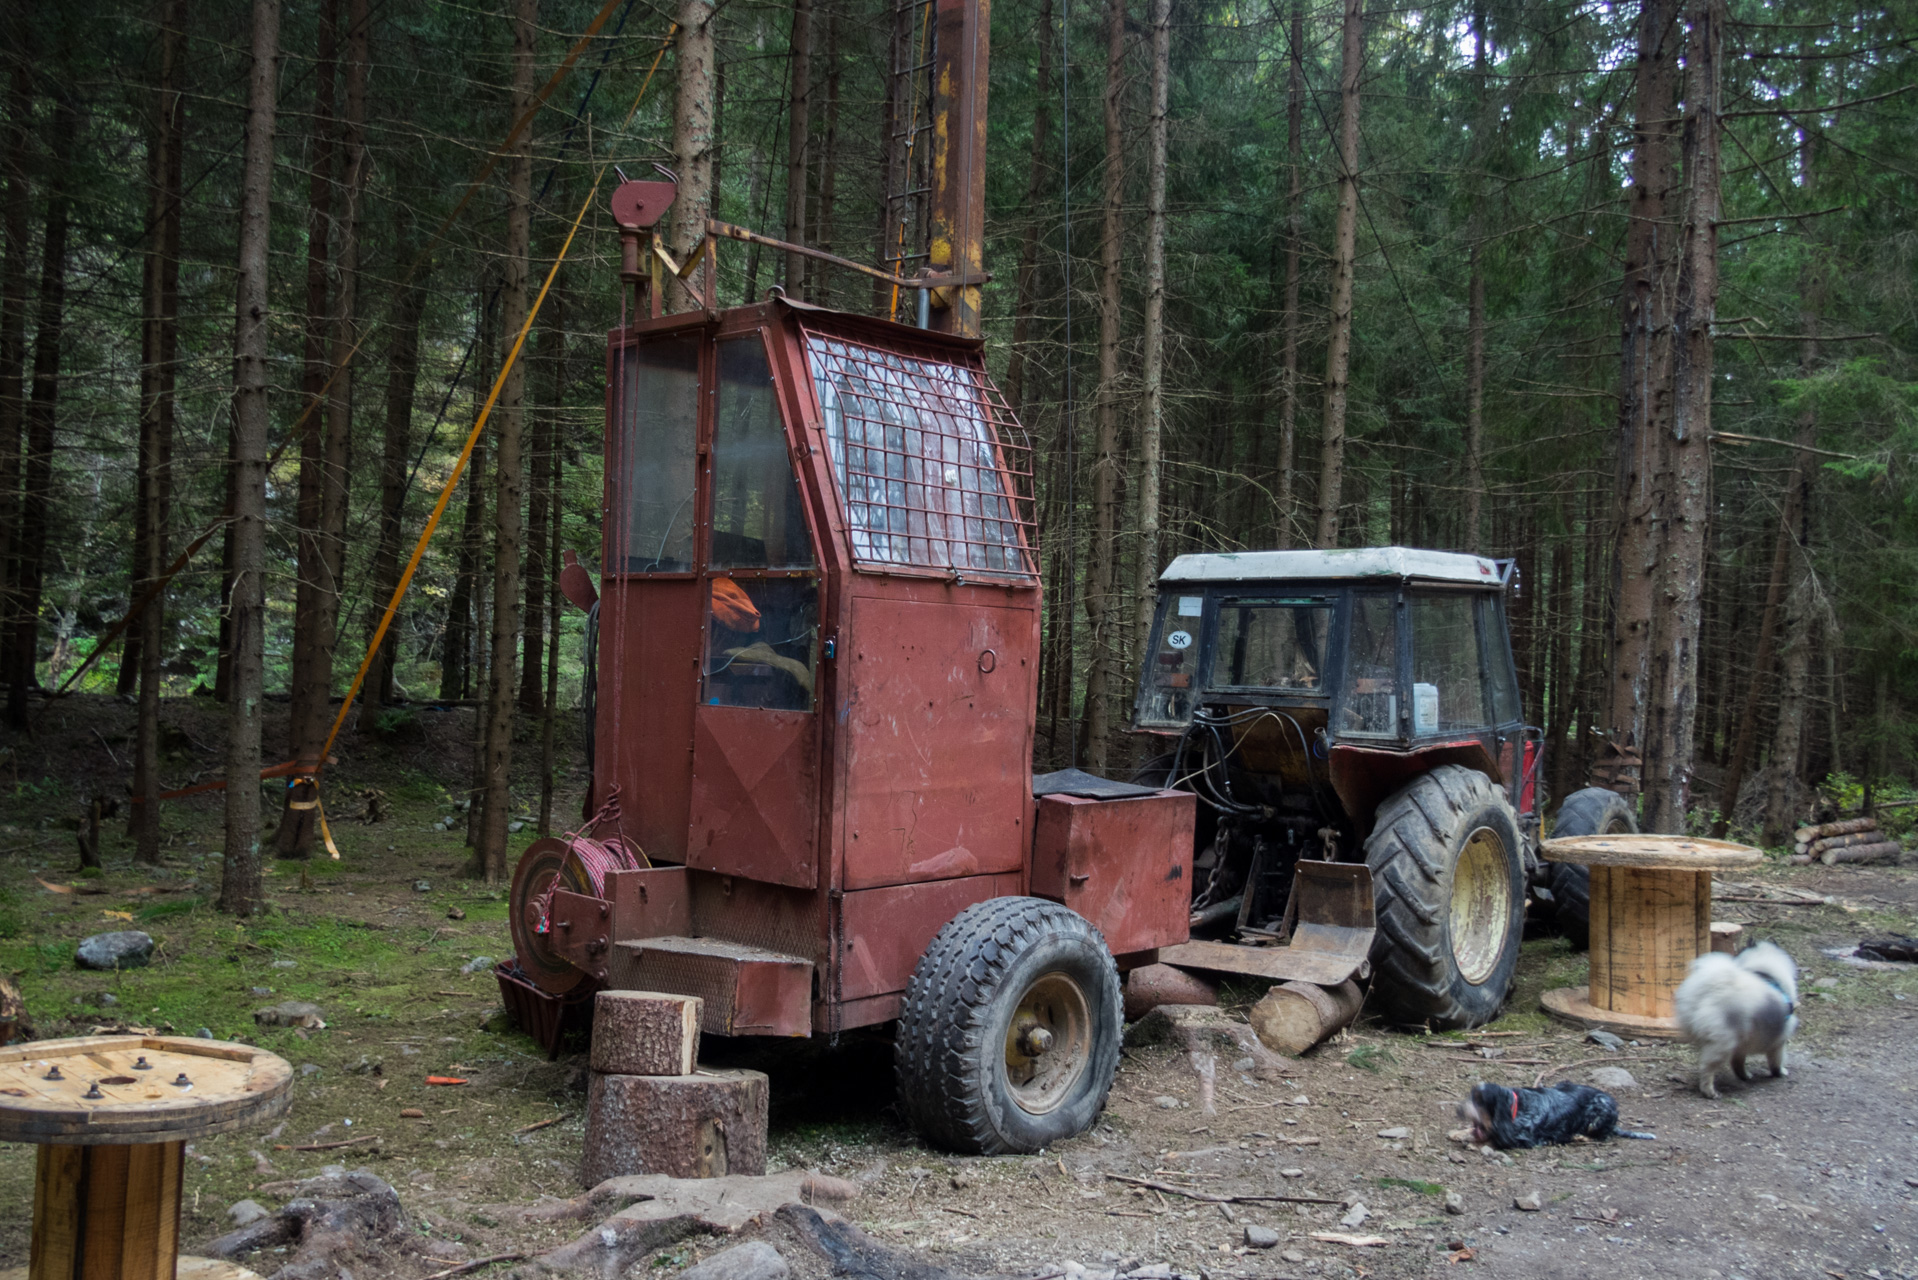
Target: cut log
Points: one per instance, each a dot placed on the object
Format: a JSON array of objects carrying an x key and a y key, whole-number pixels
[
  {"x": 1798, "y": 860},
  {"x": 1148, "y": 987},
  {"x": 1886, "y": 851},
  {"x": 645, "y": 1033},
  {"x": 1725, "y": 936},
  {"x": 705, "y": 1125},
  {"x": 1806, "y": 835},
  {"x": 1819, "y": 848},
  {"x": 1297, "y": 1015}
]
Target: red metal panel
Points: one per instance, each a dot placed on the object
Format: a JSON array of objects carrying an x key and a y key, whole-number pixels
[
  {"x": 939, "y": 705},
  {"x": 649, "y": 903},
  {"x": 755, "y": 794},
  {"x": 869, "y": 1012},
  {"x": 582, "y": 931},
  {"x": 885, "y": 931},
  {"x": 747, "y": 991},
  {"x": 651, "y": 634},
  {"x": 1125, "y": 865}
]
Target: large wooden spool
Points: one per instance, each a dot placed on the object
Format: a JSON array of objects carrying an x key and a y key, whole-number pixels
[
  {"x": 1651, "y": 916},
  {"x": 112, "y": 1116}
]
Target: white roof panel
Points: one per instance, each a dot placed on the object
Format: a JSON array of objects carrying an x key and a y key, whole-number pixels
[{"x": 1396, "y": 563}]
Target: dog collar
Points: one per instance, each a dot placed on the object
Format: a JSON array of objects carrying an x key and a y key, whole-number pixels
[
  {"x": 1791, "y": 1006},
  {"x": 1515, "y": 1104}
]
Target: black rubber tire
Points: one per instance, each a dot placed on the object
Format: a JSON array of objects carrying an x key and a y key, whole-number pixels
[
  {"x": 1414, "y": 850},
  {"x": 1591, "y": 812},
  {"x": 949, "y": 1052}
]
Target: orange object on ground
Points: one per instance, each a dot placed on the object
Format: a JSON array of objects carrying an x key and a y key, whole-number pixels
[
  {"x": 732, "y": 606},
  {"x": 445, "y": 1080}
]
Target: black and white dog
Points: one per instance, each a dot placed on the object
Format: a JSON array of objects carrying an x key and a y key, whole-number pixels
[
  {"x": 1541, "y": 1117},
  {"x": 1734, "y": 1008}
]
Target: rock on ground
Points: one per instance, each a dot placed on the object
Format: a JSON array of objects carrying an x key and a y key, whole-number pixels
[
  {"x": 1261, "y": 1238},
  {"x": 1530, "y": 1202},
  {"x": 1615, "y": 1079},
  {"x": 754, "y": 1261},
  {"x": 291, "y": 1013},
  {"x": 122, "y": 949}
]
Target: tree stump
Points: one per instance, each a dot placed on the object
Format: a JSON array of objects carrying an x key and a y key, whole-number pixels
[
  {"x": 645, "y": 1033},
  {"x": 704, "y": 1125},
  {"x": 1294, "y": 1016}
]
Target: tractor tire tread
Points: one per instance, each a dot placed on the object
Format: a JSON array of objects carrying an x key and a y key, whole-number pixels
[{"x": 1591, "y": 811}]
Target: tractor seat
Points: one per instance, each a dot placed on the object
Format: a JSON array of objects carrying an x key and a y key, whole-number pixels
[{"x": 1086, "y": 786}]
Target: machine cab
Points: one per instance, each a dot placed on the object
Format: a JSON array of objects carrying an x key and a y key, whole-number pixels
[{"x": 1387, "y": 649}]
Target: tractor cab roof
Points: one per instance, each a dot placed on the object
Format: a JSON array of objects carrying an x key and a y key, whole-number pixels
[{"x": 1398, "y": 564}]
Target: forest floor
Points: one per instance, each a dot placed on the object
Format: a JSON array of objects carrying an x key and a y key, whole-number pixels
[{"x": 1812, "y": 1175}]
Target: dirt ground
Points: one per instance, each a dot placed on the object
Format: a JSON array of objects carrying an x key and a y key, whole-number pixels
[{"x": 1812, "y": 1175}]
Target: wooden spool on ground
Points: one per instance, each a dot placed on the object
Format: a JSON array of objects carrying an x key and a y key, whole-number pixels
[
  {"x": 112, "y": 1116},
  {"x": 1651, "y": 916}
]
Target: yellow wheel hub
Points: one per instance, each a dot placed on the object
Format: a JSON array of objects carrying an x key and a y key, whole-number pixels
[
  {"x": 1048, "y": 1043},
  {"x": 1481, "y": 905}
]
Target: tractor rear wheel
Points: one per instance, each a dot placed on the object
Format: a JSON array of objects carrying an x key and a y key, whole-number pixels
[
  {"x": 1448, "y": 875},
  {"x": 1009, "y": 1037},
  {"x": 1591, "y": 812}
]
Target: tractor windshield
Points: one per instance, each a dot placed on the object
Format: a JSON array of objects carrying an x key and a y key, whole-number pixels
[{"x": 1166, "y": 690}]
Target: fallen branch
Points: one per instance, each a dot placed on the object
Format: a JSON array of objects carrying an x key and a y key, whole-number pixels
[
  {"x": 1209, "y": 1198},
  {"x": 329, "y": 1146},
  {"x": 476, "y": 1264},
  {"x": 539, "y": 1124},
  {"x": 964, "y": 1213},
  {"x": 1771, "y": 902}
]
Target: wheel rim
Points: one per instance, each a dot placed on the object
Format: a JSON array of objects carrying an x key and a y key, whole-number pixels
[
  {"x": 1481, "y": 905},
  {"x": 1048, "y": 1043},
  {"x": 544, "y": 862}
]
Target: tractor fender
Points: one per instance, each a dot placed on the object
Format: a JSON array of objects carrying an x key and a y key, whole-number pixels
[{"x": 1365, "y": 777}]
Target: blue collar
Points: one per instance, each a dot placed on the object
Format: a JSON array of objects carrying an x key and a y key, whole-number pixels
[{"x": 1791, "y": 1006}]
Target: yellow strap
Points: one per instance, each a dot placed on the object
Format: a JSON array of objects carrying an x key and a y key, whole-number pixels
[
  {"x": 479, "y": 425},
  {"x": 325, "y": 834}
]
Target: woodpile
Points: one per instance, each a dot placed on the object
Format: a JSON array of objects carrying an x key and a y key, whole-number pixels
[{"x": 1853, "y": 840}]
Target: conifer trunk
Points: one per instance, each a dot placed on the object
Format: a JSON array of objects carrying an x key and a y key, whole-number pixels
[
  {"x": 14, "y": 229},
  {"x": 1152, "y": 411},
  {"x": 692, "y": 140},
  {"x": 402, "y": 381},
  {"x": 1287, "y": 500},
  {"x": 538, "y": 495},
  {"x": 240, "y": 882},
  {"x": 490, "y": 854},
  {"x": 1345, "y": 240},
  {"x": 21, "y": 646},
  {"x": 1102, "y": 612},
  {"x": 1026, "y": 307},
  {"x": 798, "y": 134}
]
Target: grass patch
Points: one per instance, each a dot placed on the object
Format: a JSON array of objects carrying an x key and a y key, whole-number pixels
[
  {"x": 1413, "y": 1184},
  {"x": 1370, "y": 1057},
  {"x": 168, "y": 910}
]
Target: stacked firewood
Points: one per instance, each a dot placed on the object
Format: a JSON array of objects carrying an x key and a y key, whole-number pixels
[{"x": 1853, "y": 840}]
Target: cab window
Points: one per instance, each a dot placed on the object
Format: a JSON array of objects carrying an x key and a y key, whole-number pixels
[
  {"x": 1448, "y": 687},
  {"x": 1167, "y": 689},
  {"x": 1275, "y": 644},
  {"x": 656, "y": 404},
  {"x": 1370, "y": 707}
]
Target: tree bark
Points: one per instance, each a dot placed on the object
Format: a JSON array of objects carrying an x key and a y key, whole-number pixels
[
  {"x": 240, "y": 882},
  {"x": 555, "y": 605},
  {"x": 14, "y": 215},
  {"x": 158, "y": 335},
  {"x": 798, "y": 134},
  {"x": 402, "y": 381},
  {"x": 1102, "y": 612},
  {"x": 456, "y": 640},
  {"x": 692, "y": 139},
  {"x": 1345, "y": 239},
  {"x": 312, "y": 692},
  {"x": 1645, "y": 360},
  {"x": 1475, "y": 292},
  {"x": 1152, "y": 417},
  {"x": 1027, "y": 306},
  {"x": 1788, "y": 738},
  {"x": 22, "y": 645},
  {"x": 1686, "y": 476},
  {"x": 822, "y": 292},
  {"x": 538, "y": 495},
  {"x": 490, "y": 854},
  {"x": 1286, "y": 501}
]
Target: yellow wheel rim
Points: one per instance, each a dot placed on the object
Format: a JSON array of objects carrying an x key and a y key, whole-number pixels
[
  {"x": 1481, "y": 905},
  {"x": 1048, "y": 1043}
]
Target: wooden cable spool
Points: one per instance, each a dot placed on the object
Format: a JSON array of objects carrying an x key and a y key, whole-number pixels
[
  {"x": 112, "y": 1116},
  {"x": 1651, "y": 916}
]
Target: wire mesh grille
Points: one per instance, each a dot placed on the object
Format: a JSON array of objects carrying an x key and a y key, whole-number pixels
[{"x": 932, "y": 469}]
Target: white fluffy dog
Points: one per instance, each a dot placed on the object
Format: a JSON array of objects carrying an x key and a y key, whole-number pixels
[{"x": 1734, "y": 1008}]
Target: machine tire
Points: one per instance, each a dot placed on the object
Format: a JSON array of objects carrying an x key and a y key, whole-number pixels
[
  {"x": 1439, "y": 958},
  {"x": 1591, "y": 812},
  {"x": 954, "y": 1047}
]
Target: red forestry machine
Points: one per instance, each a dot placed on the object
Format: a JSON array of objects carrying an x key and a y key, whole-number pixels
[{"x": 812, "y": 669}]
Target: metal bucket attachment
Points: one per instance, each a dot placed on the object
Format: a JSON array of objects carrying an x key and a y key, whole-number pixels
[{"x": 1326, "y": 933}]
